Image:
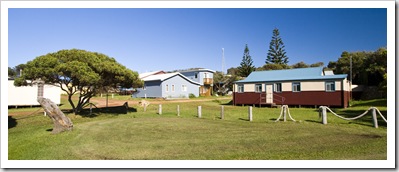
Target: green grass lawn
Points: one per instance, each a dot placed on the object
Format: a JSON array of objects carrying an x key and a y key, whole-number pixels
[{"x": 147, "y": 135}]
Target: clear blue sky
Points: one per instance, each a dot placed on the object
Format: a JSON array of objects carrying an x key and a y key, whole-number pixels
[{"x": 168, "y": 39}]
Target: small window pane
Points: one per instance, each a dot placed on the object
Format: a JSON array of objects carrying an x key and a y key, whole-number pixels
[
  {"x": 330, "y": 86},
  {"x": 258, "y": 88},
  {"x": 296, "y": 87},
  {"x": 277, "y": 87},
  {"x": 240, "y": 88}
]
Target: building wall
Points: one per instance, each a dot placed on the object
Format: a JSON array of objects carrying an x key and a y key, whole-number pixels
[
  {"x": 200, "y": 76},
  {"x": 152, "y": 89},
  {"x": 312, "y": 93},
  {"x": 177, "y": 81},
  {"x": 27, "y": 95},
  {"x": 157, "y": 89}
]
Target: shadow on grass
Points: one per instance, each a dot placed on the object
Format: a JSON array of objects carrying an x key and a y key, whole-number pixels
[
  {"x": 228, "y": 103},
  {"x": 365, "y": 120},
  {"x": 12, "y": 122},
  {"x": 371, "y": 103},
  {"x": 114, "y": 110},
  {"x": 243, "y": 119}
]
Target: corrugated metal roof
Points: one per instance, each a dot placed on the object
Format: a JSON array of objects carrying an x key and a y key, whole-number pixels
[
  {"x": 143, "y": 75},
  {"x": 162, "y": 77},
  {"x": 315, "y": 73},
  {"x": 197, "y": 70}
]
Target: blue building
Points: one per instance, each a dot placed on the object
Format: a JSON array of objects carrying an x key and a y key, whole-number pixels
[
  {"x": 167, "y": 85},
  {"x": 202, "y": 76}
]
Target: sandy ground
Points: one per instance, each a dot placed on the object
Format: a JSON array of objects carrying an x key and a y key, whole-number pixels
[{"x": 101, "y": 102}]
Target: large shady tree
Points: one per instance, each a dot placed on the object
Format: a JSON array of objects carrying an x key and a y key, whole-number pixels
[{"x": 79, "y": 72}]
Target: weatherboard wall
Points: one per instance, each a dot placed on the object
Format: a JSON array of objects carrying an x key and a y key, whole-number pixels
[
  {"x": 151, "y": 89},
  {"x": 177, "y": 82},
  {"x": 27, "y": 95},
  {"x": 312, "y": 93}
]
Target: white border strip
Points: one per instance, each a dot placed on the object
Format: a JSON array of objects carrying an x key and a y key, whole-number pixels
[{"x": 389, "y": 163}]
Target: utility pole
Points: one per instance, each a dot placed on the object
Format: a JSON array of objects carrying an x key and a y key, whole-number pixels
[
  {"x": 223, "y": 61},
  {"x": 350, "y": 76}
]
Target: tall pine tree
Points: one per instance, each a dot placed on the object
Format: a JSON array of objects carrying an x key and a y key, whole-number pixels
[
  {"x": 276, "y": 54},
  {"x": 246, "y": 66}
]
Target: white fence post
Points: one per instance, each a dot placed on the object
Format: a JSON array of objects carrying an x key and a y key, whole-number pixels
[
  {"x": 199, "y": 112},
  {"x": 178, "y": 110},
  {"x": 222, "y": 112},
  {"x": 250, "y": 113},
  {"x": 323, "y": 114},
  {"x": 375, "y": 121},
  {"x": 160, "y": 109},
  {"x": 285, "y": 113}
]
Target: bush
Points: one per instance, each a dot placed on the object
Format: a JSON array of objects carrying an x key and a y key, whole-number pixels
[{"x": 191, "y": 95}]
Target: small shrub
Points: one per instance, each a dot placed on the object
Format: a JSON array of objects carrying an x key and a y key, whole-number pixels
[{"x": 191, "y": 95}]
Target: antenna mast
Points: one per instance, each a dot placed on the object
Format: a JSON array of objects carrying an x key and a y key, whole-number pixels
[{"x": 223, "y": 65}]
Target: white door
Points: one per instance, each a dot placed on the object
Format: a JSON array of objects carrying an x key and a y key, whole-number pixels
[{"x": 269, "y": 93}]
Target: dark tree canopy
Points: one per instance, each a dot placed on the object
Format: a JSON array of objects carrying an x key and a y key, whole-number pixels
[
  {"x": 11, "y": 72},
  {"x": 276, "y": 53},
  {"x": 246, "y": 65},
  {"x": 300, "y": 65},
  {"x": 78, "y": 71},
  {"x": 368, "y": 68},
  {"x": 273, "y": 67}
]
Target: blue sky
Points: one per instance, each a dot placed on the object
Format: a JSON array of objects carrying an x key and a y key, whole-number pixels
[{"x": 167, "y": 39}]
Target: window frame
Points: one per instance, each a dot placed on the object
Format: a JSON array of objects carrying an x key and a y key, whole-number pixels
[
  {"x": 275, "y": 87},
  {"x": 332, "y": 89},
  {"x": 167, "y": 88},
  {"x": 183, "y": 88},
  {"x": 240, "y": 86},
  {"x": 256, "y": 88},
  {"x": 295, "y": 85},
  {"x": 173, "y": 88}
]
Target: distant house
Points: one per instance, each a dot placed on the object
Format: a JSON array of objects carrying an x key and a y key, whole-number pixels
[
  {"x": 304, "y": 86},
  {"x": 202, "y": 76},
  {"x": 27, "y": 95},
  {"x": 143, "y": 75},
  {"x": 167, "y": 85}
]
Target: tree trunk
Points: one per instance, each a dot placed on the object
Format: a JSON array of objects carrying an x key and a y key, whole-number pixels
[{"x": 61, "y": 122}]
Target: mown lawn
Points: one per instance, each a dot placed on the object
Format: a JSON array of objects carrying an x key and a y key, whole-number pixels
[{"x": 140, "y": 135}]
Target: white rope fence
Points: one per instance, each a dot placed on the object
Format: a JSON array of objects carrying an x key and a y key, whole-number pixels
[
  {"x": 323, "y": 114},
  {"x": 283, "y": 113}
]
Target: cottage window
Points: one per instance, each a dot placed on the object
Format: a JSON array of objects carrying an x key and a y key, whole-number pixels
[
  {"x": 258, "y": 88},
  {"x": 277, "y": 87},
  {"x": 173, "y": 88},
  {"x": 183, "y": 87},
  {"x": 330, "y": 86},
  {"x": 240, "y": 88},
  {"x": 196, "y": 75},
  {"x": 167, "y": 88},
  {"x": 296, "y": 87}
]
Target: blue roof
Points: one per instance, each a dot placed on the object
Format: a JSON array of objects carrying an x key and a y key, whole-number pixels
[{"x": 314, "y": 73}]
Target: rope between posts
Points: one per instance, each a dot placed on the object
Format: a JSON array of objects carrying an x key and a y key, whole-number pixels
[
  {"x": 281, "y": 113},
  {"x": 28, "y": 116},
  {"x": 289, "y": 114},
  {"x": 361, "y": 115},
  {"x": 357, "y": 117},
  {"x": 380, "y": 114}
]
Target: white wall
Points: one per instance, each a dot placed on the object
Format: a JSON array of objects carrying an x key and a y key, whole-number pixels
[{"x": 27, "y": 95}]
